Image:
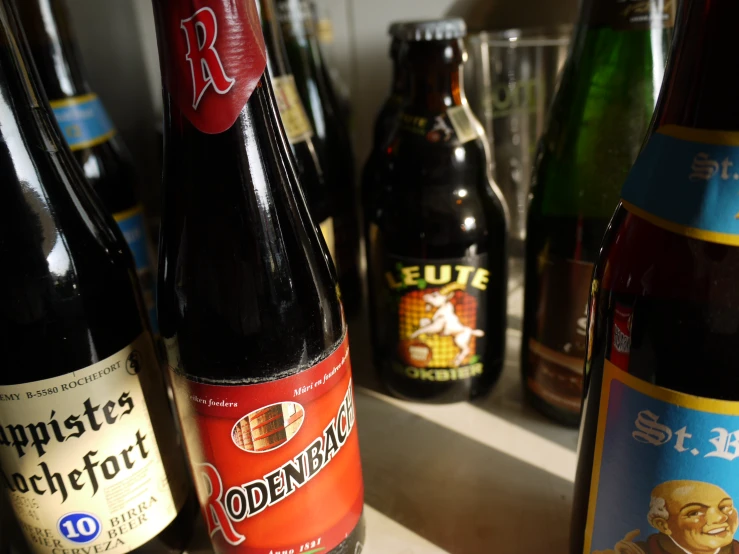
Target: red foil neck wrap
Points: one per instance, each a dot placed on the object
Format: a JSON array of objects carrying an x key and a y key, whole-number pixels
[{"x": 212, "y": 55}]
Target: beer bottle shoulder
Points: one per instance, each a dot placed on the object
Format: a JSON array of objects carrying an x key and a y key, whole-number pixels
[
  {"x": 678, "y": 295},
  {"x": 243, "y": 288},
  {"x": 432, "y": 195},
  {"x": 111, "y": 172},
  {"x": 598, "y": 120},
  {"x": 69, "y": 297}
]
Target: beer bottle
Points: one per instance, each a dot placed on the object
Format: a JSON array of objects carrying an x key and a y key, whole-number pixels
[
  {"x": 338, "y": 88},
  {"x": 87, "y": 128},
  {"x": 437, "y": 236},
  {"x": 297, "y": 126},
  {"x": 598, "y": 120},
  {"x": 659, "y": 440},
  {"x": 331, "y": 137},
  {"x": 89, "y": 459},
  {"x": 387, "y": 118},
  {"x": 248, "y": 304}
]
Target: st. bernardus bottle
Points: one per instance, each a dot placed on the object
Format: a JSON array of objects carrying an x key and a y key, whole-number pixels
[
  {"x": 332, "y": 137},
  {"x": 657, "y": 463},
  {"x": 89, "y": 456},
  {"x": 87, "y": 128},
  {"x": 437, "y": 236},
  {"x": 248, "y": 303},
  {"x": 598, "y": 121},
  {"x": 297, "y": 126}
]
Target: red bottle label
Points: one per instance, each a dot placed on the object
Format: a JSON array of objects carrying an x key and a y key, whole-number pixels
[
  {"x": 621, "y": 336},
  {"x": 276, "y": 464},
  {"x": 212, "y": 55}
]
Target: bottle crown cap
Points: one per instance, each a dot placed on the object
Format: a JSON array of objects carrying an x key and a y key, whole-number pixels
[
  {"x": 436, "y": 29},
  {"x": 395, "y": 28}
]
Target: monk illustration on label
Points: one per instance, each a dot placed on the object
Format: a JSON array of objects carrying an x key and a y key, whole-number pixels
[
  {"x": 445, "y": 321},
  {"x": 691, "y": 517}
]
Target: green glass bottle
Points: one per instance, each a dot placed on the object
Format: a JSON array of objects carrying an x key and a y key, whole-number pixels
[{"x": 597, "y": 122}]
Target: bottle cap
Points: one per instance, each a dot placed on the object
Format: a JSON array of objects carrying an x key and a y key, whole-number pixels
[
  {"x": 436, "y": 29},
  {"x": 395, "y": 28}
]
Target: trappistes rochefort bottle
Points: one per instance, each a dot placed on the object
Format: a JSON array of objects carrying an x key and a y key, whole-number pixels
[
  {"x": 332, "y": 138},
  {"x": 436, "y": 235},
  {"x": 248, "y": 305},
  {"x": 89, "y": 457},
  {"x": 87, "y": 128},
  {"x": 297, "y": 126},
  {"x": 658, "y": 452},
  {"x": 597, "y": 124}
]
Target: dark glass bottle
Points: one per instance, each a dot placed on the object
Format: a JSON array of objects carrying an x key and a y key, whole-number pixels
[
  {"x": 332, "y": 137},
  {"x": 338, "y": 88},
  {"x": 248, "y": 302},
  {"x": 297, "y": 126},
  {"x": 87, "y": 128},
  {"x": 437, "y": 236},
  {"x": 388, "y": 116},
  {"x": 661, "y": 410},
  {"x": 88, "y": 452},
  {"x": 598, "y": 120}
]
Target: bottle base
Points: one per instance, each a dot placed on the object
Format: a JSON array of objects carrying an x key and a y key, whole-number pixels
[{"x": 558, "y": 415}]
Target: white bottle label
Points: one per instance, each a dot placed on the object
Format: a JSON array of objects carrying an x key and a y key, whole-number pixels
[{"x": 80, "y": 461}]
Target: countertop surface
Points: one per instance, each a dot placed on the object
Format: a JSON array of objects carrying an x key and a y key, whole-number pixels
[{"x": 492, "y": 476}]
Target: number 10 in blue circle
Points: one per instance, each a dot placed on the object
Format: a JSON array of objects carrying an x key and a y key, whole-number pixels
[{"x": 79, "y": 527}]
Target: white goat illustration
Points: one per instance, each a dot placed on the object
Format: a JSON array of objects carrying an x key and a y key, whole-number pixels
[{"x": 445, "y": 321}]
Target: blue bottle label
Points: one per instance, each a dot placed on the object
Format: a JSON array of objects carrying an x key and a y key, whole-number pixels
[
  {"x": 83, "y": 121},
  {"x": 665, "y": 474},
  {"x": 687, "y": 181},
  {"x": 132, "y": 225}
]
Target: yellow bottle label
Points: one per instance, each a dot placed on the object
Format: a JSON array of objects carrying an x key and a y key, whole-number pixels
[
  {"x": 294, "y": 119},
  {"x": 80, "y": 461}
]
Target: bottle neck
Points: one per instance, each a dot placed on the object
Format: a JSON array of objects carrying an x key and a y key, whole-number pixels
[
  {"x": 400, "y": 79},
  {"x": 703, "y": 74},
  {"x": 435, "y": 76},
  {"x": 22, "y": 119},
  {"x": 35, "y": 162},
  {"x": 299, "y": 26},
  {"x": 272, "y": 30},
  {"x": 49, "y": 34}
]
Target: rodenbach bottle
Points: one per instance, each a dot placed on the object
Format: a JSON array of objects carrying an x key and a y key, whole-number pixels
[
  {"x": 88, "y": 129},
  {"x": 89, "y": 458},
  {"x": 331, "y": 137},
  {"x": 437, "y": 236},
  {"x": 598, "y": 120},
  {"x": 248, "y": 305},
  {"x": 297, "y": 126},
  {"x": 657, "y": 462}
]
